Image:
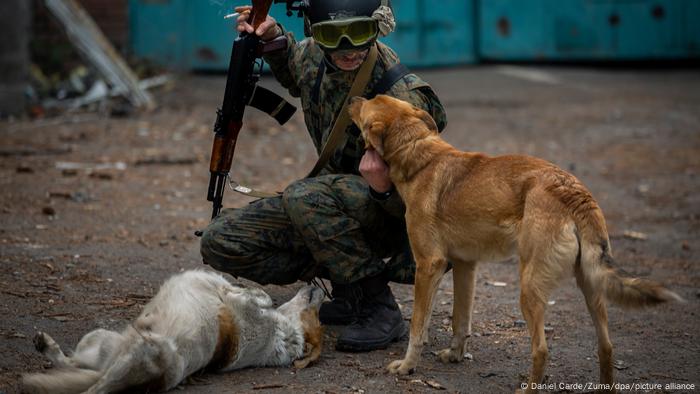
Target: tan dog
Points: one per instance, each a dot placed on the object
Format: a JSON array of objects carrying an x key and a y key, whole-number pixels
[
  {"x": 198, "y": 320},
  {"x": 465, "y": 207}
]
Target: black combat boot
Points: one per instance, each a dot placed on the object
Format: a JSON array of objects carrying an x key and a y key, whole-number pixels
[
  {"x": 344, "y": 307},
  {"x": 380, "y": 321}
]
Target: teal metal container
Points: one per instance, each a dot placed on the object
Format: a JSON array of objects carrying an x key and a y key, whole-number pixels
[
  {"x": 192, "y": 34},
  {"x": 157, "y": 31},
  {"x": 691, "y": 13},
  {"x": 430, "y": 33},
  {"x": 189, "y": 34},
  {"x": 565, "y": 30}
]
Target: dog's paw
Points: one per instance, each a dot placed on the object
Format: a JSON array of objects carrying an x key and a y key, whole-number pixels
[
  {"x": 449, "y": 356},
  {"x": 42, "y": 342},
  {"x": 302, "y": 363},
  {"x": 400, "y": 367}
]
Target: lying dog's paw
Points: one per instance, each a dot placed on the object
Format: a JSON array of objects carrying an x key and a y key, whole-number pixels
[
  {"x": 449, "y": 356},
  {"x": 400, "y": 367},
  {"x": 43, "y": 343},
  {"x": 302, "y": 363}
]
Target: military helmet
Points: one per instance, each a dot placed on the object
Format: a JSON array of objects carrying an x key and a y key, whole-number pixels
[
  {"x": 325, "y": 10},
  {"x": 342, "y": 24}
]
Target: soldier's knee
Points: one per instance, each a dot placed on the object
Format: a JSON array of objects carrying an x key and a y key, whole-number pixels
[
  {"x": 301, "y": 195},
  {"x": 210, "y": 247},
  {"x": 222, "y": 251}
]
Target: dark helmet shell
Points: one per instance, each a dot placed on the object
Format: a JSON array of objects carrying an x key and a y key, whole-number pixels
[{"x": 324, "y": 10}]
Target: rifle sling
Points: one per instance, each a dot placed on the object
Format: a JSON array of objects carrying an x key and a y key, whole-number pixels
[
  {"x": 337, "y": 135},
  {"x": 250, "y": 192}
]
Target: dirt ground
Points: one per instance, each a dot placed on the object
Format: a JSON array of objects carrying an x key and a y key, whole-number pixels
[{"x": 85, "y": 248}]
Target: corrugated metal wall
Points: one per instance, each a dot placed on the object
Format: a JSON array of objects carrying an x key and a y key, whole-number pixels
[
  {"x": 588, "y": 29},
  {"x": 191, "y": 34},
  {"x": 428, "y": 34}
]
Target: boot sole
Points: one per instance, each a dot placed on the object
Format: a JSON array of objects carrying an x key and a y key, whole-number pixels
[{"x": 396, "y": 335}]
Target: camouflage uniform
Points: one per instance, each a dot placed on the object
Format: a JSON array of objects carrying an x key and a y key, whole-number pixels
[{"x": 329, "y": 225}]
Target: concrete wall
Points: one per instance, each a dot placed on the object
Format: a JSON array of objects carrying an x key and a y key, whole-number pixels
[{"x": 14, "y": 54}]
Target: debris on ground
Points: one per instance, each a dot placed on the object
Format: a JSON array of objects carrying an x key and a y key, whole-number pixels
[
  {"x": 90, "y": 167},
  {"x": 102, "y": 81},
  {"x": 620, "y": 365},
  {"x": 635, "y": 235},
  {"x": 429, "y": 383},
  {"x": 86, "y": 36},
  {"x": 166, "y": 160}
]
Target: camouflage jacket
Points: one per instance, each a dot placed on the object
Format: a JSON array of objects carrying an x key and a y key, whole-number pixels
[{"x": 297, "y": 70}]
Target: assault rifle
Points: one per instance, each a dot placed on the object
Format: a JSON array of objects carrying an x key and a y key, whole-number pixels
[{"x": 241, "y": 90}]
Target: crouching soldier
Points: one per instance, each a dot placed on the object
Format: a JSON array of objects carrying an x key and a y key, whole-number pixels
[{"x": 345, "y": 224}]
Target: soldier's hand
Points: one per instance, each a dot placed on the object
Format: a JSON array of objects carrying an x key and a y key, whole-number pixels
[
  {"x": 267, "y": 30},
  {"x": 375, "y": 171}
]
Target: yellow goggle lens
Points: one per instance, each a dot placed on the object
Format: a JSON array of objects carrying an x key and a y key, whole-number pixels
[{"x": 357, "y": 31}]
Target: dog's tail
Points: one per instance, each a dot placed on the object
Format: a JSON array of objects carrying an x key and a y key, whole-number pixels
[
  {"x": 60, "y": 381},
  {"x": 630, "y": 292},
  {"x": 600, "y": 272},
  {"x": 595, "y": 268}
]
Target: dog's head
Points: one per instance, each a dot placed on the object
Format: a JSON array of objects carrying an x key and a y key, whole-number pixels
[
  {"x": 303, "y": 309},
  {"x": 387, "y": 122}
]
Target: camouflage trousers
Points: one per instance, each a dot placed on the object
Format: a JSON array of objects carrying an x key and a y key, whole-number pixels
[{"x": 327, "y": 226}]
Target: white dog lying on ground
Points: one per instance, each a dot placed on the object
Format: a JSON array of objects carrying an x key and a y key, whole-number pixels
[{"x": 198, "y": 320}]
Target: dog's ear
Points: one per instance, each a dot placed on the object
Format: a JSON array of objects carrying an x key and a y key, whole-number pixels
[
  {"x": 426, "y": 118},
  {"x": 374, "y": 136}
]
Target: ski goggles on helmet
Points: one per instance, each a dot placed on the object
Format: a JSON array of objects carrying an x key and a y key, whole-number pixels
[{"x": 359, "y": 31}]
